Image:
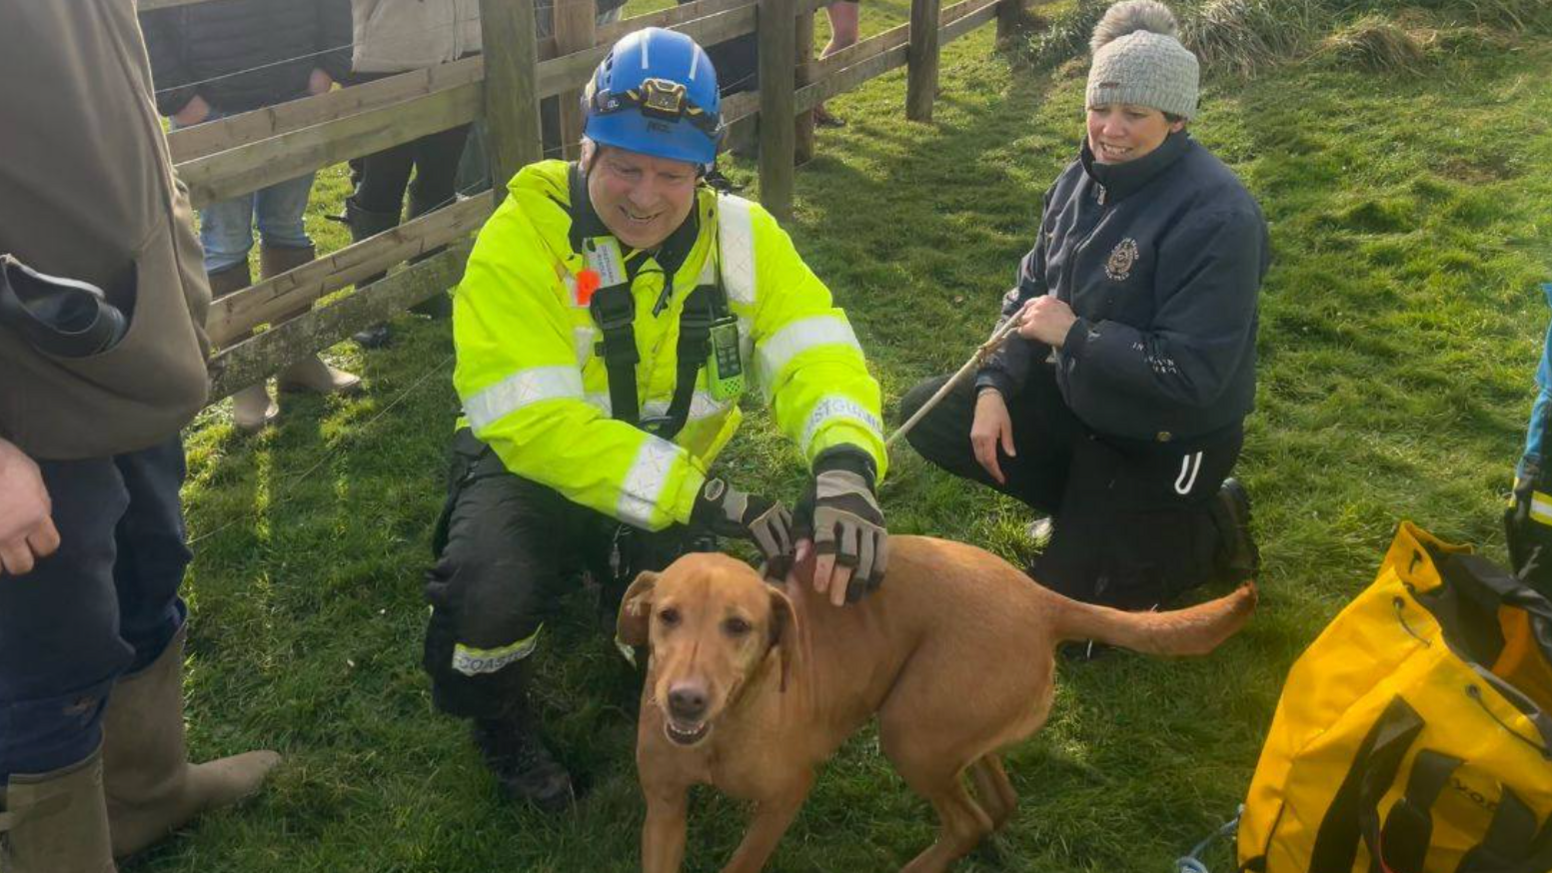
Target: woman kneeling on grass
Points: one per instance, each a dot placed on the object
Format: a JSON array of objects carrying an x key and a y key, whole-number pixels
[{"x": 1119, "y": 406}]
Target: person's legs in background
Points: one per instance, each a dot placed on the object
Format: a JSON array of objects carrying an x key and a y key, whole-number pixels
[
  {"x": 845, "y": 20},
  {"x": 279, "y": 211},
  {"x": 378, "y": 205},
  {"x": 226, "y": 233},
  {"x": 434, "y": 187}
]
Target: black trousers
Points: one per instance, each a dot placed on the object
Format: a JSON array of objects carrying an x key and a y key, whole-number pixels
[
  {"x": 105, "y": 604},
  {"x": 434, "y": 160},
  {"x": 505, "y": 546},
  {"x": 1134, "y": 526}
]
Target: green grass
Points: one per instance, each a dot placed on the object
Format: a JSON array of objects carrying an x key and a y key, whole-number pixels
[{"x": 1400, "y": 325}]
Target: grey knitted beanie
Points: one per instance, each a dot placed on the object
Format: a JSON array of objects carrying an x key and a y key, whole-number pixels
[{"x": 1138, "y": 59}]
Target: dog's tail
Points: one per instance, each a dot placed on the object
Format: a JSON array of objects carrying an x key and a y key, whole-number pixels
[{"x": 1195, "y": 630}]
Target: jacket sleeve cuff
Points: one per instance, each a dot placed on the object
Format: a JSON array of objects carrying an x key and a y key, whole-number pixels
[
  {"x": 990, "y": 377},
  {"x": 1077, "y": 339}
]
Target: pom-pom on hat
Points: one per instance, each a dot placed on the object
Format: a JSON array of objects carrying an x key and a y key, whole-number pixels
[{"x": 1138, "y": 59}]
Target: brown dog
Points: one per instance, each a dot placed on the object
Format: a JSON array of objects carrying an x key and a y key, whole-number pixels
[{"x": 750, "y": 688}]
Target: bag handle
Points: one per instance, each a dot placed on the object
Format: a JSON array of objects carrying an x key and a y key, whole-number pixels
[
  {"x": 1374, "y": 768},
  {"x": 1511, "y": 844}
]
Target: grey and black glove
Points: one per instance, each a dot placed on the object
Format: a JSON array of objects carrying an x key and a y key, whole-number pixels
[
  {"x": 729, "y": 512},
  {"x": 841, "y": 515}
]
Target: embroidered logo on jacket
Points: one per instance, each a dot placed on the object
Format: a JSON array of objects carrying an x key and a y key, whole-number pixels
[{"x": 1122, "y": 257}]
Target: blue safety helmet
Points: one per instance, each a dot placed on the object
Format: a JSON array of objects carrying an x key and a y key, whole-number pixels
[{"x": 656, "y": 94}]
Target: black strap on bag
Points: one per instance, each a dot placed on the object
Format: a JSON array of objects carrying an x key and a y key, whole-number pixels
[
  {"x": 1374, "y": 769},
  {"x": 1466, "y": 607},
  {"x": 1408, "y": 831},
  {"x": 1511, "y": 844}
]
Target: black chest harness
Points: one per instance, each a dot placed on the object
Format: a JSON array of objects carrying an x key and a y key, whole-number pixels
[{"x": 613, "y": 308}]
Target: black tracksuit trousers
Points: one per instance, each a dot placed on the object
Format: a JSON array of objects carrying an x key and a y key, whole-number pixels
[
  {"x": 1133, "y": 520},
  {"x": 504, "y": 547}
]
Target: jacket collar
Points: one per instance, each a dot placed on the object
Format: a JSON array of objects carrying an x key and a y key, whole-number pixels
[{"x": 1122, "y": 180}]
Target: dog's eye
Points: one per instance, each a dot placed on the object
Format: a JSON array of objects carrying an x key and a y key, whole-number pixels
[
  {"x": 736, "y": 627},
  {"x": 669, "y": 617}
]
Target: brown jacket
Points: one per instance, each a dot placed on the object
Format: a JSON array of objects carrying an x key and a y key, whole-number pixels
[{"x": 86, "y": 192}]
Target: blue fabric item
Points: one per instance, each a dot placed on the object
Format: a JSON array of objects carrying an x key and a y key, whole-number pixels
[
  {"x": 1536, "y": 433},
  {"x": 226, "y": 228},
  {"x": 104, "y": 605},
  {"x": 654, "y": 53}
]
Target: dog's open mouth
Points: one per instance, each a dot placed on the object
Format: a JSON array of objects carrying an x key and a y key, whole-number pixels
[{"x": 685, "y": 734}]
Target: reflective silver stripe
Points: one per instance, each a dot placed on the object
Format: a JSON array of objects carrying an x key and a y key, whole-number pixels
[
  {"x": 838, "y": 406},
  {"x": 644, "y": 484},
  {"x": 735, "y": 234},
  {"x": 702, "y": 405},
  {"x": 472, "y": 662},
  {"x": 523, "y": 388},
  {"x": 799, "y": 337},
  {"x": 582, "y": 344}
]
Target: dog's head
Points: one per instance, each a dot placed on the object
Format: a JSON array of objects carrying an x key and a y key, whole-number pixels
[{"x": 711, "y": 623}]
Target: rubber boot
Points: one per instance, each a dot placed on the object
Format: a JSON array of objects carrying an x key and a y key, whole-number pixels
[
  {"x": 311, "y": 374},
  {"x": 252, "y": 407},
  {"x": 1238, "y": 559},
  {"x": 366, "y": 223},
  {"x": 56, "y": 822},
  {"x": 514, "y": 750},
  {"x": 151, "y": 787}
]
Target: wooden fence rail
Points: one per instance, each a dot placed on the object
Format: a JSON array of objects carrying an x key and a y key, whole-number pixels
[{"x": 504, "y": 86}]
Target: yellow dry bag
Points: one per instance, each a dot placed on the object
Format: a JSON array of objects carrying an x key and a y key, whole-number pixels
[{"x": 1414, "y": 735}]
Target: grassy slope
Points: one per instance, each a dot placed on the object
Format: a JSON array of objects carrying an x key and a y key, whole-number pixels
[{"x": 1399, "y": 329}]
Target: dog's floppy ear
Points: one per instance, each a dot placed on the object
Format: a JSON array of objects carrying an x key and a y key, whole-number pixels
[
  {"x": 784, "y": 633},
  {"x": 636, "y": 610}
]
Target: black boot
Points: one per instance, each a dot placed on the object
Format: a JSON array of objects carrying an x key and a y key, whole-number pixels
[
  {"x": 523, "y": 766},
  {"x": 1238, "y": 559},
  {"x": 366, "y": 223}
]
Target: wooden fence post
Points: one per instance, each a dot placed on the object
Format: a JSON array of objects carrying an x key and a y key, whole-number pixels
[
  {"x": 511, "y": 88},
  {"x": 803, "y": 133},
  {"x": 574, "y": 32},
  {"x": 777, "y": 29},
  {"x": 1010, "y": 14},
  {"x": 921, "y": 84}
]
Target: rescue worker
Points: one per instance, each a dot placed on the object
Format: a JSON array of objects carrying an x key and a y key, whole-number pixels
[
  {"x": 102, "y": 361},
  {"x": 612, "y": 314},
  {"x": 1119, "y": 406}
]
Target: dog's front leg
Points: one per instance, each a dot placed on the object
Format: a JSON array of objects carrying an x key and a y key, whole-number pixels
[
  {"x": 662, "y": 839},
  {"x": 772, "y": 816}
]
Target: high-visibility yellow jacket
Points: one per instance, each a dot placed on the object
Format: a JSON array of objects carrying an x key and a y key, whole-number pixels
[{"x": 535, "y": 390}]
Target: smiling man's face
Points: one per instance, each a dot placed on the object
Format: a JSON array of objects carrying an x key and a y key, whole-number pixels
[{"x": 641, "y": 199}]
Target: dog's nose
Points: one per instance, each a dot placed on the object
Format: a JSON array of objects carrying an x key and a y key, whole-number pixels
[{"x": 687, "y": 702}]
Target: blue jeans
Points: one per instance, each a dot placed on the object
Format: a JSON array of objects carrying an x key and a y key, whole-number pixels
[
  {"x": 104, "y": 605},
  {"x": 226, "y": 228}
]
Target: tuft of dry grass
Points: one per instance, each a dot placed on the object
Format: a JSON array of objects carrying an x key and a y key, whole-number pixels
[
  {"x": 1378, "y": 44},
  {"x": 1243, "y": 37}
]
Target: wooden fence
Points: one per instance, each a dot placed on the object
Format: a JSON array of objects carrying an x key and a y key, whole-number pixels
[{"x": 243, "y": 153}]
